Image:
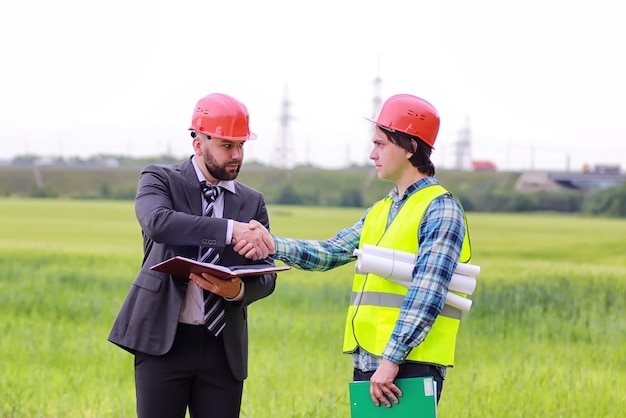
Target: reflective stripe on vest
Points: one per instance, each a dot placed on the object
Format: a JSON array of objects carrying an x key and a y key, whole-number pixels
[
  {"x": 376, "y": 302},
  {"x": 392, "y": 300}
]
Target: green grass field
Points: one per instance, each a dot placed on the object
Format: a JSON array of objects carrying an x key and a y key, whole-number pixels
[{"x": 546, "y": 336}]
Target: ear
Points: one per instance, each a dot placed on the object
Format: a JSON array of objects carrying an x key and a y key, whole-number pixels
[
  {"x": 197, "y": 145},
  {"x": 409, "y": 154}
]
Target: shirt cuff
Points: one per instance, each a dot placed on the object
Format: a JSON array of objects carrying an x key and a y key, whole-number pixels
[
  {"x": 396, "y": 352},
  {"x": 240, "y": 295},
  {"x": 229, "y": 231},
  {"x": 281, "y": 246}
]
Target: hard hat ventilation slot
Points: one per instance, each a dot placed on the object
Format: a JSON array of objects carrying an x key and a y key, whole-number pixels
[{"x": 413, "y": 113}]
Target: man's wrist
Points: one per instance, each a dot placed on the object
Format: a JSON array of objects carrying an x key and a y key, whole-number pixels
[
  {"x": 239, "y": 295},
  {"x": 396, "y": 352}
]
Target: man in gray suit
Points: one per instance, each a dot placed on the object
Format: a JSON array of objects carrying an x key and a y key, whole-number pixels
[{"x": 191, "y": 346}]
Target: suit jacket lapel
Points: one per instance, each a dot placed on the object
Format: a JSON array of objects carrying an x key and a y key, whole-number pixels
[
  {"x": 191, "y": 187},
  {"x": 232, "y": 203}
]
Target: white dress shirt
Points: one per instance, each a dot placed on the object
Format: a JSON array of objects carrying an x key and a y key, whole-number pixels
[{"x": 192, "y": 311}]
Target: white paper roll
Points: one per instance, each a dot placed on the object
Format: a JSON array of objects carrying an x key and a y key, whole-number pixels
[
  {"x": 458, "y": 302},
  {"x": 388, "y": 253},
  {"x": 406, "y": 257},
  {"x": 384, "y": 267},
  {"x": 398, "y": 266},
  {"x": 462, "y": 283},
  {"x": 402, "y": 272},
  {"x": 468, "y": 269}
]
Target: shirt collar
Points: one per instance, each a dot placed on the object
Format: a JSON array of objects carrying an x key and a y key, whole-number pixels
[
  {"x": 224, "y": 184},
  {"x": 418, "y": 185}
]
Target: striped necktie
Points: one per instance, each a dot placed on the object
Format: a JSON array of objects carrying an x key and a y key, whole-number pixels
[
  {"x": 214, "y": 314},
  {"x": 210, "y": 193}
]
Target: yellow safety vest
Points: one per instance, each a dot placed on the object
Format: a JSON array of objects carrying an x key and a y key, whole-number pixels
[{"x": 375, "y": 303}]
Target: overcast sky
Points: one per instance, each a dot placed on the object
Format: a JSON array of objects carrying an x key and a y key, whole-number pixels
[{"x": 540, "y": 84}]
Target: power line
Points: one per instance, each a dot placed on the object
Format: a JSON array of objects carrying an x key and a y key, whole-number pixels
[
  {"x": 464, "y": 148},
  {"x": 283, "y": 147}
]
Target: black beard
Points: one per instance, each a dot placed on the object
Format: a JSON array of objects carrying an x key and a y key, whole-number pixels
[{"x": 219, "y": 172}]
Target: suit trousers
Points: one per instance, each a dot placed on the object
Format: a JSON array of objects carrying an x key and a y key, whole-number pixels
[
  {"x": 408, "y": 369},
  {"x": 194, "y": 374}
]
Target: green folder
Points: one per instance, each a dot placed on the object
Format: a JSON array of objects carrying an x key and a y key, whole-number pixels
[{"x": 418, "y": 400}]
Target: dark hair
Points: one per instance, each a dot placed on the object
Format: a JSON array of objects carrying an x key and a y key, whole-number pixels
[
  {"x": 420, "y": 157},
  {"x": 194, "y": 134}
]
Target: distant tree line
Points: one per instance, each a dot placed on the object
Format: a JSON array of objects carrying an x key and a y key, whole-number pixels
[
  {"x": 99, "y": 160},
  {"x": 306, "y": 185}
]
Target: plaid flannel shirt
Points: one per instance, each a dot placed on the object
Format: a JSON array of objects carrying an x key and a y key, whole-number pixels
[{"x": 440, "y": 239}]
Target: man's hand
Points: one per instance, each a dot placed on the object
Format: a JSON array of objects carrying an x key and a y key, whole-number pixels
[
  {"x": 382, "y": 386},
  {"x": 252, "y": 240},
  {"x": 226, "y": 288}
]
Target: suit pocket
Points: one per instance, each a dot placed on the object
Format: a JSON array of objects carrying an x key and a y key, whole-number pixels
[{"x": 149, "y": 281}]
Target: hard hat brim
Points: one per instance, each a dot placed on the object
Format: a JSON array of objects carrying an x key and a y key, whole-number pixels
[{"x": 251, "y": 136}]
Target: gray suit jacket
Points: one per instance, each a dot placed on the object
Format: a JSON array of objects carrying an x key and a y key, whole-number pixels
[{"x": 169, "y": 209}]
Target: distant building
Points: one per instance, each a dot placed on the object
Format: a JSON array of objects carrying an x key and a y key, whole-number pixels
[
  {"x": 483, "y": 166},
  {"x": 554, "y": 181},
  {"x": 602, "y": 169},
  {"x": 45, "y": 161},
  {"x": 107, "y": 162},
  {"x": 534, "y": 181}
]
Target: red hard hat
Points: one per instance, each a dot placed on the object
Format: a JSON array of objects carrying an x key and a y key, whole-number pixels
[
  {"x": 411, "y": 115},
  {"x": 222, "y": 116}
]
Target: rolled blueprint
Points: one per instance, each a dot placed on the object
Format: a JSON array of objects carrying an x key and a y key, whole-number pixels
[
  {"x": 388, "y": 253},
  {"x": 462, "y": 283},
  {"x": 388, "y": 268},
  {"x": 467, "y": 269},
  {"x": 458, "y": 302},
  {"x": 397, "y": 266},
  {"x": 402, "y": 272},
  {"x": 406, "y": 257}
]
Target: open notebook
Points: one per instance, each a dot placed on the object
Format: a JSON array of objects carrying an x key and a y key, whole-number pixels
[{"x": 181, "y": 267}]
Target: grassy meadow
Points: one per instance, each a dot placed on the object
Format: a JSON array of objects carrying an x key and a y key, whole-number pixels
[{"x": 546, "y": 336}]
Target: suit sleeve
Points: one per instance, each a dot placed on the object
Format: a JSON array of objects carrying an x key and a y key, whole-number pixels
[
  {"x": 163, "y": 209},
  {"x": 258, "y": 287}
]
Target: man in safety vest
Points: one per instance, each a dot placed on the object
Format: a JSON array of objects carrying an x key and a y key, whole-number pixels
[{"x": 393, "y": 331}]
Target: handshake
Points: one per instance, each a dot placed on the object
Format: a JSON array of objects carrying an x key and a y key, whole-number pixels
[{"x": 252, "y": 240}]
